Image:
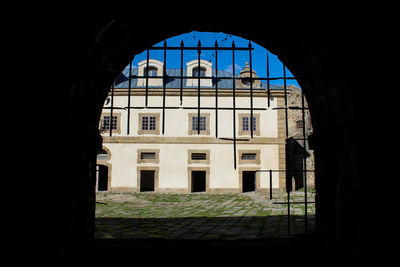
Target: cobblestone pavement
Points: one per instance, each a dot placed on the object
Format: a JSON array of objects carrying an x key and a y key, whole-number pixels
[{"x": 199, "y": 216}]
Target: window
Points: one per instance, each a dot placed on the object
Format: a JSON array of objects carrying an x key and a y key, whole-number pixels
[
  {"x": 203, "y": 125},
  {"x": 148, "y": 155},
  {"x": 194, "y": 121},
  {"x": 196, "y": 72},
  {"x": 149, "y": 123},
  {"x": 199, "y": 156},
  {"x": 102, "y": 155},
  {"x": 249, "y": 156},
  {"x": 246, "y": 123},
  {"x": 152, "y": 71},
  {"x": 246, "y": 81},
  {"x": 154, "y": 68},
  {"x": 299, "y": 124},
  {"x": 106, "y": 122}
]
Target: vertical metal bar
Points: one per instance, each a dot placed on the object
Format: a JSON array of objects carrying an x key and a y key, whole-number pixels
[
  {"x": 234, "y": 104},
  {"x": 286, "y": 107},
  {"x": 268, "y": 89},
  {"x": 216, "y": 89},
  {"x": 129, "y": 99},
  {"x": 198, "y": 87},
  {"x": 287, "y": 134},
  {"x": 270, "y": 184},
  {"x": 288, "y": 207},
  {"x": 147, "y": 78},
  {"x": 164, "y": 85},
  {"x": 251, "y": 91},
  {"x": 181, "y": 93},
  {"x": 304, "y": 164},
  {"x": 112, "y": 108}
]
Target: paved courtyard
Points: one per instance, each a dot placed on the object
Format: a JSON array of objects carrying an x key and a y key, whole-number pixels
[{"x": 199, "y": 216}]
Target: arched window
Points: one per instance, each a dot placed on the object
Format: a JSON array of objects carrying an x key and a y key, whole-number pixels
[
  {"x": 150, "y": 68},
  {"x": 194, "y": 70},
  {"x": 102, "y": 155}
]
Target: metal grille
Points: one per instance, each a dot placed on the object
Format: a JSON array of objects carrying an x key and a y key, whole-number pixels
[
  {"x": 249, "y": 123},
  {"x": 147, "y": 155},
  {"x": 199, "y": 156},
  {"x": 148, "y": 123},
  {"x": 249, "y": 156},
  {"x": 196, "y": 123},
  {"x": 245, "y": 123},
  {"x": 106, "y": 123}
]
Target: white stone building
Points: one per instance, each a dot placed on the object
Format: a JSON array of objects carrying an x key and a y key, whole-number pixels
[{"x": 179, "y": 159}]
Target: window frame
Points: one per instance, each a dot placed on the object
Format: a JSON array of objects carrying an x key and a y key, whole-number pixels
[
  {"x": 142, "y": 131},
  {"x": 207, "y": 124},
  {"x": 155, "y": 160},
  {"x": 198, "y": 161},
  {"x": 204, "y": 65},
  {"x": 257, "y": 131},
  {"x": 152, "y": 63},
  {"x": 257, "y": 160},
  {"x": 248, "y": 124},
  {"x": 117, "y": 130}
]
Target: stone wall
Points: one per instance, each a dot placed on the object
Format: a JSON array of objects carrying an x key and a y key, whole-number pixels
[{"x": 295, "y": 132}]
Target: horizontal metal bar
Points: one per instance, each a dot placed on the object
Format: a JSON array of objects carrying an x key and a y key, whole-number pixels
[
  {"x": 180, "y": 107},
  {"x": 297, "y": 202},
  {"x": 117, "y": 108},
  {"x": 231, "y": 139},
  {"x": 293, "y": 108},
  {"x": 302, "y": 139},
  {"x": 285, "y": 170},
  {"x": 208, "y": 77},
  {"x": 195, "y": 48}
]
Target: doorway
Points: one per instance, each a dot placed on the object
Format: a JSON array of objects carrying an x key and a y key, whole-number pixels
[
  {"x": 102, "y": 178},
  {"x": 198, "y": 181},
  {"x": 249, "y": 181},
  {"x": 147, "y": 180}
]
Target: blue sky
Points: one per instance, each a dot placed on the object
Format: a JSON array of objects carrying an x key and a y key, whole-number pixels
[{"x": 259, "y": 55}]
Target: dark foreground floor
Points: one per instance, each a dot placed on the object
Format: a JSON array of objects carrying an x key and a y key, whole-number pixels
[{"x": 299, "y": 251}]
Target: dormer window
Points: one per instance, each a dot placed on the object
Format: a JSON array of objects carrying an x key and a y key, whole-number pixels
[
  {"x": 155, "y": 69},
  {"x": 193, "y": 70}
]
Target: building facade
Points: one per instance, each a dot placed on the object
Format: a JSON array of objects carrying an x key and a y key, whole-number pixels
[{"x": 150, "y": 149}]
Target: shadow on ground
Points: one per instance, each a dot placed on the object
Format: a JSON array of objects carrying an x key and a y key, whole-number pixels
[
  {"x": 202, "y": 240},
  {"x": 295, "y": 251},
  {"x": 202, "y": 228}
]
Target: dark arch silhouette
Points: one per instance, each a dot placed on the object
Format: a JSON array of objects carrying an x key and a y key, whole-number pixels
[{"x": 310, "y": 46}]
